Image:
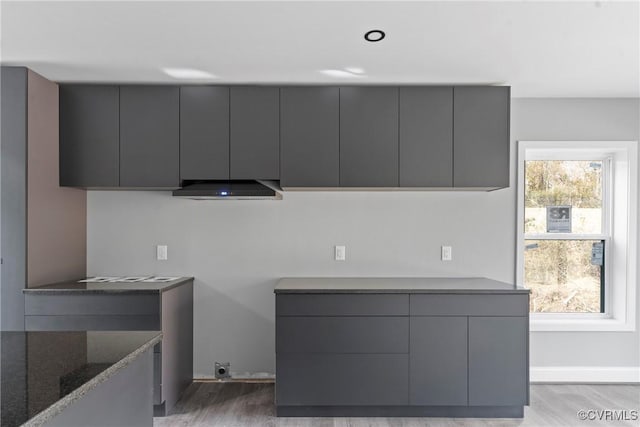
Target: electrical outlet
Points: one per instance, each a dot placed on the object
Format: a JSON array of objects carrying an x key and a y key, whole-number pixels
[
  {"x": 222, "y": 370},
  {"x": 161, "y": 253},
  {"x": 340, "y": 253},
  {"x": 446, "y": 253}
]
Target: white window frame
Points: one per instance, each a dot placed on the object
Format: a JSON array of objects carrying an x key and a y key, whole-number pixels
[{"x": 620, "y": 193}]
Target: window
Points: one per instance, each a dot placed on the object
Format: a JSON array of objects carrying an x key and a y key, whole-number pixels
[{"x": 577, "y": 233}]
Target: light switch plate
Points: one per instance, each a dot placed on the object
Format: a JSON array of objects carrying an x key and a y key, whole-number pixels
[
  {"x": 446, "y": 253},
  {"x": 161, "y": 252},
  {"x": 340, "y": 253}
]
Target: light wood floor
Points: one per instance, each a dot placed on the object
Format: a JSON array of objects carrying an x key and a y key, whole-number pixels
[{"x": 239, "y": 405}]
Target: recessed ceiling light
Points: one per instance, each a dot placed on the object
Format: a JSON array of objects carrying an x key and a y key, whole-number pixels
[
  {"x": 188, "y": 73},
  {"x": 341, "y": 73},
  {"x": 374, "y": 35},
  {"x": 355, "y": 70}
]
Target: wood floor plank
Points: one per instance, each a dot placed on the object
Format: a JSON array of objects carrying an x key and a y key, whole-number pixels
[{"x": 207, "y": 404}]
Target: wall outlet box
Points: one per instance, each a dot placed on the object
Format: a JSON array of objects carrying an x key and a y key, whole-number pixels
[
  {"x": 446, "y": 253},
  {"x": 161, "y": 252},
  {"x": 222, "y": 370},
  {"x": 340, "y": 253}
]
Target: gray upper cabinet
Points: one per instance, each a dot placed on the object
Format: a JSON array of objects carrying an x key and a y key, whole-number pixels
[
  {"x": 310, "y": 137},
  {"x": 89, "y": 136},
  {"x": 481, "y": 136},
  {"x": 255, "y": 133},
  {"x": 204, "y": 132},
  {"x": 149, "y": 136},
  {"x": 426, "y": 136},
  {"x": 369, "y": 136},
  {"x": 306, "y": 137}
]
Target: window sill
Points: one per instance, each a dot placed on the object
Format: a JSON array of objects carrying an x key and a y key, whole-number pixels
[{"x": 559, "y": 324}]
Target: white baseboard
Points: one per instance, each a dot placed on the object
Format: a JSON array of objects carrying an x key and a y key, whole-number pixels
[{"x": 585, "y": 374}]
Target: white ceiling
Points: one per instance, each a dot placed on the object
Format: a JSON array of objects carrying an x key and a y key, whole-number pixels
[{"x": 541, "y": 49}]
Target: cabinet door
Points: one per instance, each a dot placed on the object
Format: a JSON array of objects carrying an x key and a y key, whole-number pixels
[
  {"x": 368, "y": 137},
  {"x": 149, "y": 136},
  {"x": 89, "y": 136},
  {"x": 438, "y": 361},
  {"x": 426, "y": 137},
  {"x": 255, "y": 133},
  {"x": 204, "y": 132},
  {"x": 309, "y": 137},
  {"x": 498, "y": 361},
  {"x": 481, "y": 137}
]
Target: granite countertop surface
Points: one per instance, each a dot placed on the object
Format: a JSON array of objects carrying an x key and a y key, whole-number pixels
[
  {"x": 436, "y": 285},
  {"x": 60, "y": 368},
  {"x": 110, "y": 287}
]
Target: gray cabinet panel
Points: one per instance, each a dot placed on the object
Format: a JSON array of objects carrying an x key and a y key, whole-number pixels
[
  {"x": 13, "y": 181},
  {"x": 124, "y": 399},
  {"x": 78, "y": 304},
  {"x": 342, "y": 335},
  {"x": 177, "y": 343},
  {"x": 204, "y": 132},
  {"x": 368, "y": 137},
  {"x": 89, "y": 136},
  {"x": 342, "y": 379},
  {"x": 255, "y": 133},
  {"x": 87, "y": 322},
  {"x": 342, "y": 305},
  {"x": 438, "y": 361},
  {"x": 149, "y": 136},
  {"x": 481, "y": 136},
  {"x": 469, "y": 305},
  {"x": 498, "y": 361},
  {"x": 426, "y": 136},
  {"x": 157, "y": 378},
  {"x": 309, "y": 136}
]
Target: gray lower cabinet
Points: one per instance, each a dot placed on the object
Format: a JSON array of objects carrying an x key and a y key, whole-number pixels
[
  {"x": 368, "y": 136},
  {"x": 89, "y": 136},
  {"x": 498, "y": 373},
  {"x": 402, "y": 354},
  {"x": 255, "y": 133},
  {"x": 170, "y": 311},
  {"x": 149, "y": 136},
  {"x": 438, "y": 361},
  {"x": 481, "y": 136},
  {"x": 426, "y": 136},
  {"x": 204, "y": 132},
  {"x": 309, "y": 137},
  {"x": 338, "y": 379},
  {"x": 123, "y": 400}
]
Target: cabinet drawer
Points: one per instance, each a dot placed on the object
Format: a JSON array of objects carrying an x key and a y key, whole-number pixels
[
  {"x": 342, "y": 305},
  {"x": 342, "y": 334},
  {"x": 469, "y": 305},
  {"x": 125, "y": 304},
  {"x": 342, "y": 379},
  {"x": 92, "y": 323}
]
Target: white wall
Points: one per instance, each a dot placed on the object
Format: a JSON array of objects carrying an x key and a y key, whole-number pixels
[
  {"x": 238, "y": 249},
  {"x": 576, "y": 119}
]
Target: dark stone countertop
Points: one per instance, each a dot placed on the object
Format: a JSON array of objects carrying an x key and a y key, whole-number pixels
[
  {"x": 113, "y": 287},
  {"x": 42, "y": 373},
  {"x": 387, "y": 285}
]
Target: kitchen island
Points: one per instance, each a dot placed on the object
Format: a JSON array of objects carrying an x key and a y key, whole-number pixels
[
  {"x": 136, "y": 306},
  {"x": 444, "y": 347},
  {"x": 73, "y": 379}
]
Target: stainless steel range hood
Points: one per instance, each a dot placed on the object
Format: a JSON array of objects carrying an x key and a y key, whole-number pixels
[{"x": 229, "y": 190}]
